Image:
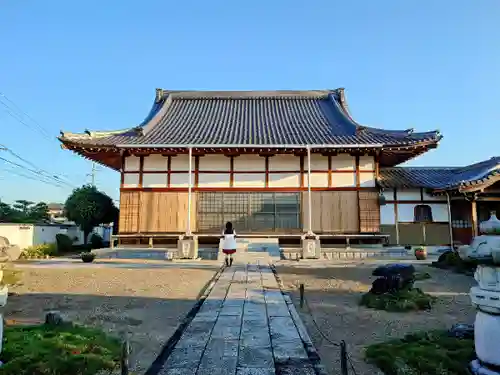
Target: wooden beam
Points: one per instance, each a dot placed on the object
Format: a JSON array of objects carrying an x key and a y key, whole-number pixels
[
  {"x": 329, "y": 170},
  {"x": 141, "y": 169},
  {"x": 267, "y": 171},
  {"x": 475, "y": 229},
  {"x": 196, "y": 170},
  {"x": 396, "y": 216},
  {"x": 358, "y": 183},
  {"x": 302, "y": 171},
  {"x": 231, "y": 171},
  {"x": 169, "y": 169}
]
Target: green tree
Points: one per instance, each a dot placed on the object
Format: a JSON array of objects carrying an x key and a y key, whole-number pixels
[
  {"x": 24, "y": 206},
  {"x": 6, "y": 212},
  {"x": 39, "y": 212},
  {"x": 88, "y": 207}
]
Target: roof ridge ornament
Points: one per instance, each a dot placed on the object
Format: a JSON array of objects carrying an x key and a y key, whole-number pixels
[{"x": 159, "y": 95}]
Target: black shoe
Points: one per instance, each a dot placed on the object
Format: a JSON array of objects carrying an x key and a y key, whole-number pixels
[
  {"x": 227, "y": 262},
  {"x": 230, "y": 262}
]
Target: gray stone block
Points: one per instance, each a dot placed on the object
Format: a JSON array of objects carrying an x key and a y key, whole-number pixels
[
  {"x": 255, "y": 371},
  {"x": 226, "y": 332},
  {"x": 184, "y": 358},
  {"x": 219, "y": 347},
  {"x": 289, "y": 351},
  {"x": 306, "y": 369},
  {"x": 218, "y": 365},
  {"x": 251, "y": 356}
]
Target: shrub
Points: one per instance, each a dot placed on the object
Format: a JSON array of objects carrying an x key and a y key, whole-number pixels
[
  {"x": 96, "y": 241},
  {"x": 433, "y": 353},
  {"x": 58, "y": 350},
  {"x": 40, "y": 251},
  {"x": 87, "y": 257},
  {"x": 64, "y": 243},
  {"x": 400, "y": 301}
]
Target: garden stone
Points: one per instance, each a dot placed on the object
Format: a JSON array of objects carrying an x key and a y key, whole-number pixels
[{"x": 53, "y": 318}]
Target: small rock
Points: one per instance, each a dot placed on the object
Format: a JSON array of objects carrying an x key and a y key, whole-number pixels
[{"x": 54, "y": 318}]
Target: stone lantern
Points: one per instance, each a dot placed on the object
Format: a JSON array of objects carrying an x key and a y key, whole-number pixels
[{"x": 485, "y": 249}]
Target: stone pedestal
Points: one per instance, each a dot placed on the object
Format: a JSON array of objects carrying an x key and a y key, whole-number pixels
[
  {"x": 187, "y": 248},
  {"x": 311, "y": 248}
]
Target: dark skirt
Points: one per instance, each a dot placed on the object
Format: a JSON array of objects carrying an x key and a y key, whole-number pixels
[{"x": 229, "y": 251}]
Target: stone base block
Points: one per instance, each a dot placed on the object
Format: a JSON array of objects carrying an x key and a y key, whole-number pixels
[
  {"x": 311, "y": 248},
  {"x": 187, "y": 248}
]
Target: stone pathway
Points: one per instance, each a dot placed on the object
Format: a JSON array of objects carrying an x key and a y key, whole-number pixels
[{"x": 244, "y": 327}]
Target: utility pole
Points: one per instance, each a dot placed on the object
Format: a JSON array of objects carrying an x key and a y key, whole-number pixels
[{"x": 93, "y": 173}]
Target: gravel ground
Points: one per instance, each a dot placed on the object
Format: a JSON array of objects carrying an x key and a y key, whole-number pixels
[
  {"x": 333, "y": 295},
  {"x": 148, "y": 302}
]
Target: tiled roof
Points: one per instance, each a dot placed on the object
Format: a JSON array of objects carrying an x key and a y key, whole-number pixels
[
  {"x": 440, "y": 178},
  {"x": 253, "y": 118}
]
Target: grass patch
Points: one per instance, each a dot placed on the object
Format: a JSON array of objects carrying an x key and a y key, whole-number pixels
[
  {"x": 400, "y": 301},
  {"x": 431, "y": 353},
  {"x": 58, "y": 350}
]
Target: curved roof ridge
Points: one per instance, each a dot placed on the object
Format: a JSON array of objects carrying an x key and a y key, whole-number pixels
[
  {"x": 242, "y": 94},
  {"x": 339, "y": 98}
]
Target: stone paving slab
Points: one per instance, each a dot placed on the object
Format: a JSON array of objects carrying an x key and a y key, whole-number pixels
[{"x": 244, "y": 327}]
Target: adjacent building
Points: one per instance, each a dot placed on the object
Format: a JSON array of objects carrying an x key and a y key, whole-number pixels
[{"x": 284, "y": 162}]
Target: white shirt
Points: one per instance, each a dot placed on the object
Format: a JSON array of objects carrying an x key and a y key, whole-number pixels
[{"x": 229, "y": 241}]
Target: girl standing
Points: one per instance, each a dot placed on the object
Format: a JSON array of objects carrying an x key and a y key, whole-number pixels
[{"x": 229, "y": 244}]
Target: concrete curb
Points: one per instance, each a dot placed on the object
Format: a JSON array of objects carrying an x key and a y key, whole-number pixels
[
  {"x": 311, "y": 350},
  {"x": 167, "y": 349}
]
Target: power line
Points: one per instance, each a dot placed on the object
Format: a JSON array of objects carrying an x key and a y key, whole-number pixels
[
  {"x": 39, "y": 170},
  {"x": 34, "y": 178},
  {"x": 12, "y": 108},
  {"x": 37, "y": 173}
]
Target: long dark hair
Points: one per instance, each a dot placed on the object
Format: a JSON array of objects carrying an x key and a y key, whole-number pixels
[{"x": 229, "y": 228}]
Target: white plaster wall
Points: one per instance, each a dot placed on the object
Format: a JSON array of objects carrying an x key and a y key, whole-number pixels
[
  {"x": 250, "y": 180},
  {"x": 18, "y": 234},
  {"x": 388, "y": 194},
  {"x": 215, "y": 163},
  {"x": 406, "y": 212},
  {"x": 366, "y": 179},
  {"x": 155, "y": 162},
  {"x": 343, "y": 163},
  {"x": 132, "y": 163},
  {"x": 387, "y": 216},
  {"x": 344, "y": 179},
  {"x": 180, "y": 180},
  {"x": 284, "y": 180},
  {"x": 317, "y": 179},
  {"x": 284, "y": 163},
  {"x": 151, "y": 180},
  {"x": 44, "y": 234},
  {"x": 367, "y": 163},
  {"x": 181, "y": 163},
  {"x": 211, "y": 180},
  {"x": 409, "y": 195},
  {"x": 318, "y": 162},
  {"x": 131, "y": 180},
  {"x": 250, "y": 163}
]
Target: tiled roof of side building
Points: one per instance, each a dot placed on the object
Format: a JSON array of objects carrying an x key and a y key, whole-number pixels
[
  {"x": 439, "y": 178},
  {"x": 316, "y": 117}
]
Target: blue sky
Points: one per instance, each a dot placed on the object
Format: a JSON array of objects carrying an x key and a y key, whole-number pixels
[{"x": 74, "y": 65}]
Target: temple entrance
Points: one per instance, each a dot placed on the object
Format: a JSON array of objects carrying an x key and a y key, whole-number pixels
[{"x": 249, "y": 211}]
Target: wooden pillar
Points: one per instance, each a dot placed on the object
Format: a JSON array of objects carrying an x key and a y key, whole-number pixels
[
  {"x": 169, "y": 169},
  {"x": 450, "y": 225},
  {"x": 141, "y": 170},
  {"x": 396, "y": 218},
  {"x": 196, "y": 170},
  {"x": 190, "y": 179},
  {"x": 267, "y": 172},
  {"x": 474, "y": 217},
  {"x": 309, "y": 196},
  {"x": 231, "y": 171},
  {"x": 301, "y": 171},
  {"x": 329, "y": 171},
  {"x": 358, "y": 184}
]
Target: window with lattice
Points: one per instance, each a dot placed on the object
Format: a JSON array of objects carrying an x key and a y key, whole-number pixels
[{"x": 422, "y": 213}]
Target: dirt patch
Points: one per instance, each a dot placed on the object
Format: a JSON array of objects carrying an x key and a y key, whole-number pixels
[
  {"x": 333, "y": 295},
  {"x": 148, "y": 303}
]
